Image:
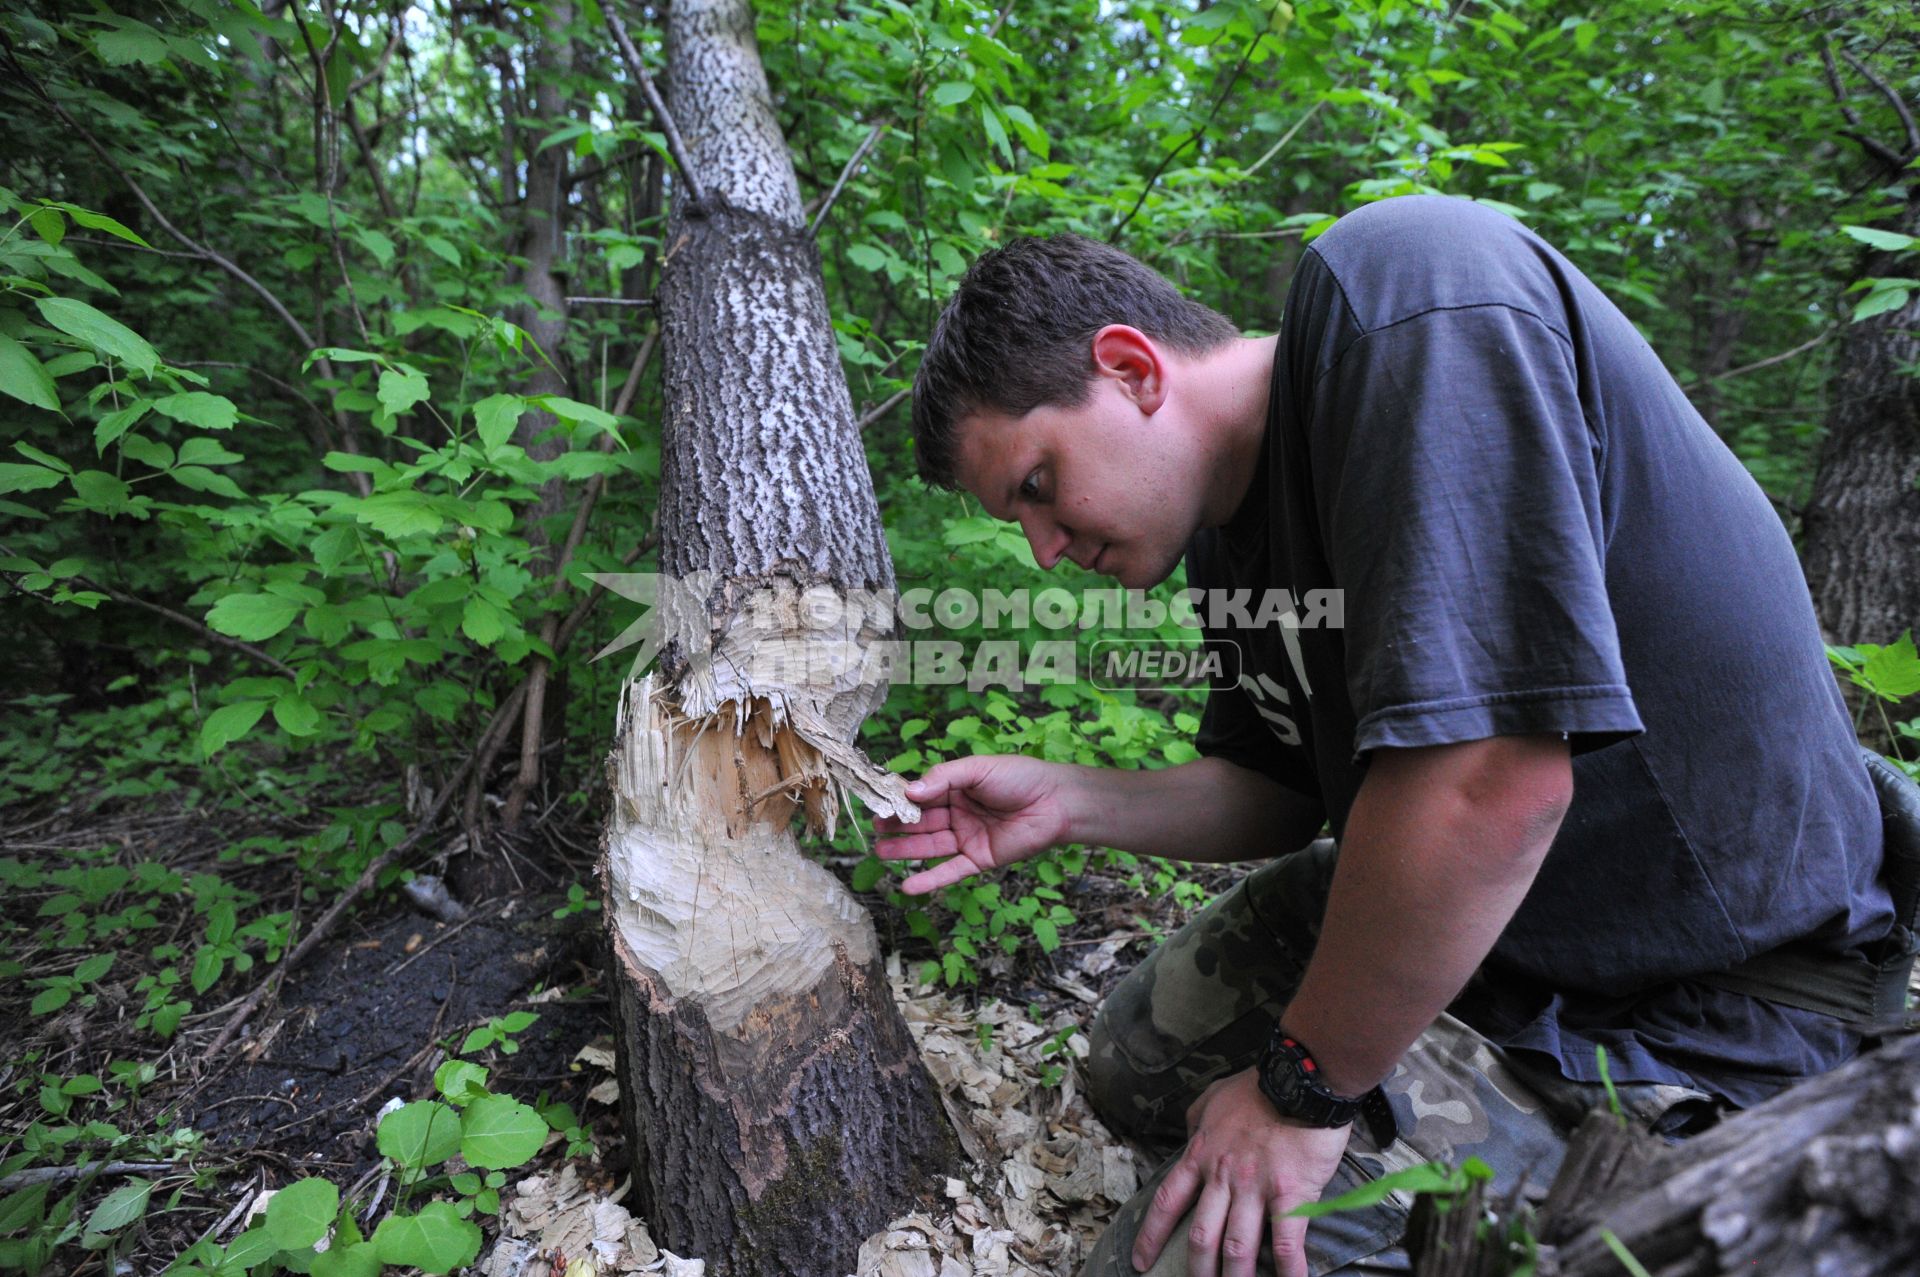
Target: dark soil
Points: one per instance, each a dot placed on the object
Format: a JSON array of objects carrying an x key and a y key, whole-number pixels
[{"x": 371, "y": 1019}]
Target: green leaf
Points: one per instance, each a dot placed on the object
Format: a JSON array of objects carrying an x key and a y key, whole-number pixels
[
  {"x": 379, "y": 245},
  {"x": 48, "y": 224},
  {"x": 866, "y": 873},
  {"x": 252, "y": 616},
  {"x": 440, "y": 248},
  {"x": 573, "y": 410},
  {"x": 202, "y": 451},
  {"x": 436, "y": 1240},
  {"x": 228, "y": 724},
  {"x": 1873, "y": 237},
  {"x": 1894, "y": 670},
  {"x": 461, "y": 1081},
  {"x": 131, "y": 43},
  {"x": 482, "y": 622},
  {"x": 77, "y": 319},
  {"x": 1431, "y": 1177},
  {"x": 358, "y": 1259},
  {"x": 93, "y": 968},
  {"x": 48, "y": 1000},
  {"x": 198, "y": 408},
  {"x": 120, "y": 1207},
  {"x": 867, "y": 257},
  {"x": 99, "y": 222},
  {"x": 99, "y": 489},
  {"x": 147, "y": 452},
  {"x": 421, "y": 1134},
  {"x": 498, "y": 1131},
  {"x": 21, "y": 1209},
  {"x": 401, "y": 389},
  {"x": 250, "y": 1249},
  {"x": 296, "y": 716},
  {"x": 201, "y": 479},
  {"x": 398, "y": 514},
  {"x": 15, "y": 477},
  {"x": 952, "y": 93},
  {"x": 300, "y": 1214},
  {"x": 996, "y": 132},
  {"x": 1879, "y": 302},
  {"x": 25, "y": 377},
  {"x": 117, "y": 423},
  {"x": 495, "y": 417}
]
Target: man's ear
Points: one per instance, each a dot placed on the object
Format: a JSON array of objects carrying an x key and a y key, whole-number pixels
[{"x": 1134, "y": 362}]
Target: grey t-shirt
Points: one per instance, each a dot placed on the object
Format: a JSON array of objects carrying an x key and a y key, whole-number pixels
[{"x": 1531, "y": 530}]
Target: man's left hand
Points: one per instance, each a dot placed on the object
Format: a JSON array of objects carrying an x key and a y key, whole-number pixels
[{"x": 1247, "y": 1167}]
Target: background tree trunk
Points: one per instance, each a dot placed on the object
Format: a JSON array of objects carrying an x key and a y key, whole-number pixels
[
  {"x": 777, "y": 1110},
  {"x": 1861, "y": 548}
]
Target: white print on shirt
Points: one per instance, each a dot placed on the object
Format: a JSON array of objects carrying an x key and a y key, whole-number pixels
[{"x": 1264, "y": 689}]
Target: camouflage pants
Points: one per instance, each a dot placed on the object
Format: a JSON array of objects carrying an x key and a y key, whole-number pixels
[{"x": 1202, "y": 1006}]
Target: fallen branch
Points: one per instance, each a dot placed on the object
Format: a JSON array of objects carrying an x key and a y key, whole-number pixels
[
  {"x": 61, "y": 1174},
  {"x": 331, "y": 918}
]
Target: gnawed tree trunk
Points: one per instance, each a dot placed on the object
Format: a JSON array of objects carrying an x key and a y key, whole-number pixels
[{"x": 777, "y": 1109}]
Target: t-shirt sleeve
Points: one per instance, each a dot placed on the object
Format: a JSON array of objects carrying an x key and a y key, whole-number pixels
[{"x": 1456, "y": 482}]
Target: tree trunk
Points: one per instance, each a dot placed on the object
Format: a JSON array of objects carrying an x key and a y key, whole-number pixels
[
  {"x": 777, "y": 1110},
  {"x": 1862, "y": 548},
  {"x": 1824, "y": 1179},
  {"x": 1821, "y": 1181}
]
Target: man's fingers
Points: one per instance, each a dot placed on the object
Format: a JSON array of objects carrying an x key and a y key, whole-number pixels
[
  {"x": 1289, "y": 1245},
  {"x": 944, "y": 874},
  {"x": 931, "y": 819},
  {"x": 1240, "y": 1246},
  {"x": 940, "y": 842},
  {"x": 1170, "y": 1202},
  {"x": 1208, "y": 1228},
  {"x": 942, "y": 779}
]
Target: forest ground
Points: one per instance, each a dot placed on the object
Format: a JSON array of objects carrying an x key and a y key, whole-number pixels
[{"x": 364, "y": 1022}]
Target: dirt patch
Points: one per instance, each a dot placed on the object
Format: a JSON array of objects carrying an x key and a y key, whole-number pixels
[{"x": 373, "y": 1017}]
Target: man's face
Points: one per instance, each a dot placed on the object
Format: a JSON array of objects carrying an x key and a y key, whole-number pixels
[{"x": 1107, "y": 485}]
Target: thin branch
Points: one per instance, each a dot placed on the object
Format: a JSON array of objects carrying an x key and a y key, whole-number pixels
[
  {"x": 874, "y": 414},
  {"x": 199, "y": 250},
  {"x": 873, "y": 135},
  {"x": 675, "y": 146},
  {"x": 1113, "y": 236},
  {"x": 611, "y": 301},
  {"x": 1898, "y": 103},
  {"x": 180, "y": 618},
  {"x": 1770, "y": 360},
  {"x": 1879, "y": 150}
]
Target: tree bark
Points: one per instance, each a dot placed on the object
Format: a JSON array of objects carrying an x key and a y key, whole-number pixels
[
  {"x": 1823, "y": 1179},
  {"x": 1861, "y": 547},
  {"x": 777, "y": 1110}
]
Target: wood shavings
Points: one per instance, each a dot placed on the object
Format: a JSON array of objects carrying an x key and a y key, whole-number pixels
[
  {"x": 568, "y": 1221},
  {"x": 1047, "y": 1176}
]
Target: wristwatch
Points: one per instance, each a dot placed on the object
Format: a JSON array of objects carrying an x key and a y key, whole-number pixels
[{"x": 1290, "y": 1080}]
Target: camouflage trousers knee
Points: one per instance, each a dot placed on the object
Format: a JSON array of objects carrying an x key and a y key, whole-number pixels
[{"x": 1202, "y": 1006}]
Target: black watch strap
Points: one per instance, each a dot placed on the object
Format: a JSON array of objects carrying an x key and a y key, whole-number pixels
[{"x": 1290, "y": 1079}]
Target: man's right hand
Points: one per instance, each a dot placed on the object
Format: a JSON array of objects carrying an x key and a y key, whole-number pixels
[{"x": 985, "y": 812}]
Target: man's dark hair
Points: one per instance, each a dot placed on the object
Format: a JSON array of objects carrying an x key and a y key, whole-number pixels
[{"x": 1018, "y": 335}]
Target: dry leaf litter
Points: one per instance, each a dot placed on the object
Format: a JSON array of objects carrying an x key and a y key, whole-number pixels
[{"x": 1044, "y": 1175}]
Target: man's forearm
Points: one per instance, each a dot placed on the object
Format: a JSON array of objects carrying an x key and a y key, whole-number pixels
[
  {"x": 1208, "y": 810},
  {"x": 1440, "y": 848}
]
